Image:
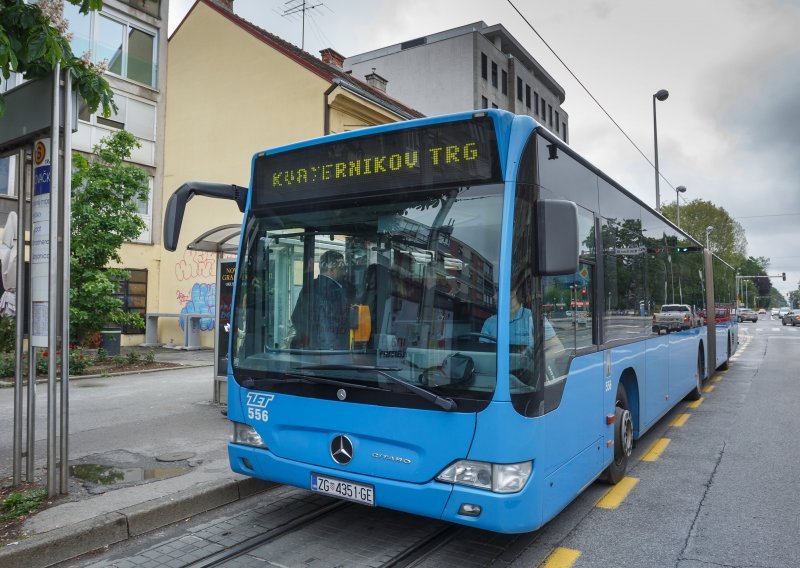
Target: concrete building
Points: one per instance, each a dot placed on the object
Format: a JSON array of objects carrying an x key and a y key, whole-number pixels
[
  {"x": 236, "y": 89},
  {"x": 131, "y": 35},
  {"x": 465, "y": 68}
]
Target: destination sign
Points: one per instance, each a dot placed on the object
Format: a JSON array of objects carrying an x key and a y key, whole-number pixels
[{"x": 452, "y": 154}]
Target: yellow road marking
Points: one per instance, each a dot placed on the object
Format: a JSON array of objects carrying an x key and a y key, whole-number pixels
[
  {"x": 708, "y": 388},
  {"x": 695, "y": 403},
  {"x": 616, "y": 495},
  {"x": 680, "y": 420},
  {"x": 655, "y": 451},
  {"x": 561, "y": 558}
]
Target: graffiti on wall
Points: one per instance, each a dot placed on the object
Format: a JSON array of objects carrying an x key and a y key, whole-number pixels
[
  {"x": 199, "y": 267},
  {"x": 201, "y": 299},
  {"x": 195, "y": 265}
]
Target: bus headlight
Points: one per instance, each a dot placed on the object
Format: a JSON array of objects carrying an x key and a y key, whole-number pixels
[
  {"x": 246, "y": 435},
  {"x": 500, "y": 478}
]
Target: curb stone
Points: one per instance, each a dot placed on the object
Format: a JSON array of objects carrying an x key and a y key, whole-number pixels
[
  {"x": 68, "y": 542},
  {"x": 10, "y": 384}
]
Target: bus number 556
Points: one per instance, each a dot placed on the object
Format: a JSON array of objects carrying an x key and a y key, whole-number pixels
[{"x": 257, "y": 414}]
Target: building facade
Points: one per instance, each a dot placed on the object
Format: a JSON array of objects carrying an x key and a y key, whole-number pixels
[
  {"x": 131, "y": 36},
  {"x": 470, "y": 67},
  {"x": 234, "y": 90}
]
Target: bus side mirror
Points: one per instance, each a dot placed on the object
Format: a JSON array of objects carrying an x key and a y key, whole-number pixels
[
  {"x": 173, "y": 219},
  {"x": 557, "y": 237},
  {"x": 176, "y": 206}
]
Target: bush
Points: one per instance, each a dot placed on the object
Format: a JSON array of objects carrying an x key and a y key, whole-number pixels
[
  {"x": 8, "y": 334},
  {"x": 78, "y": 362},
  {"x": 101, "y": 356},
  {"x": 132, "y": 357},
  {"x": 42, "y": 361},
  {"x": 7, "y": 366},
  {"x": 150, "y": 356}
]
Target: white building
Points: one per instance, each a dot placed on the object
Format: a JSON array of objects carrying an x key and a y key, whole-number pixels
[
  {"x": 131, "y": 35},
  {"x": 466, "y": 68}
]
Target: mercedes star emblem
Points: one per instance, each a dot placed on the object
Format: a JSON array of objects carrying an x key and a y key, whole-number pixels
[{"x": 342, "y": 450}]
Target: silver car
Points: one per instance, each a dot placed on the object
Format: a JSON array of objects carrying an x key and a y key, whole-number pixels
[{"x": 791, "y": 318}]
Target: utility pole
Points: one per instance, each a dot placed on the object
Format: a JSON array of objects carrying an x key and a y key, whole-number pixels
[{"x": 293, "y": 7}]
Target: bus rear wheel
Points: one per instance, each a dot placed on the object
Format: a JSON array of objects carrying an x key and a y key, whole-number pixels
[
  {"x": 623, "y": 439},
  {"x": 697, "y": 392},
  {"x": 724, "y": 366}
]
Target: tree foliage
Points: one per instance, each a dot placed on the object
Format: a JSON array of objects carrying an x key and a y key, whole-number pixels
[
  {"x": 105, "y": 191},
  {"x": 727, "y": 240},
  {"x": 33, "y": 40}
]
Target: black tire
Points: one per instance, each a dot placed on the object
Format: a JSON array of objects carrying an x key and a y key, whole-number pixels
[
  {"x": 724, "y": 366},
  {"x": 697, "y": 392},
  {"x": 623, "y": 439},
  {"x": 783, "y": 322}
]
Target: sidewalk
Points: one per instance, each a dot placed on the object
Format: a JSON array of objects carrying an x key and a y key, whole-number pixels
[{"x": 145, "y": 451}]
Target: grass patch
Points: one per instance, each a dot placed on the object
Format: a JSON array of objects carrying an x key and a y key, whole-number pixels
[{"x": 19, "y": 504}]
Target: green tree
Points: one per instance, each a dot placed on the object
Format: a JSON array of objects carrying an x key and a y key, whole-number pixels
[
  {"x": 755, "y": 291},
  {"x": 728, "y": 240},
  {"x": 105, "y": 191},
  {"x": 794, "y": 297},
  {"x": 776, "y": 299},
  {"x": 34, "y": 38}
]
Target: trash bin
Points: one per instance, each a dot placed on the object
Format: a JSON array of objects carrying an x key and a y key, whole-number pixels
[{"x": 110, "y": 340}]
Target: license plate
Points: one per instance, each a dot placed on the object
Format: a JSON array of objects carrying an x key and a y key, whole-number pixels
[{"x": 357, "y": 492}]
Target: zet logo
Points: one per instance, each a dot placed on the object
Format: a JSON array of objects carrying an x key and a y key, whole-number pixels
[
  {"x": 40, "y": 153},
  {"x": 257, "y": 406}
]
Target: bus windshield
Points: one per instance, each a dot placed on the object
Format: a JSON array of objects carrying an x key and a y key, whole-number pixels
[{"x": 399, "y": 287}]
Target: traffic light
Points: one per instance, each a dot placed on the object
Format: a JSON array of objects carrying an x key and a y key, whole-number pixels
[
  {"x": 783, "y": 275},
  {"x": 688, "y": 249}
]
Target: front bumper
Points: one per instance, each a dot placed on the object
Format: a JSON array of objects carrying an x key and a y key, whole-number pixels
[{"x": 508, "y": 513}]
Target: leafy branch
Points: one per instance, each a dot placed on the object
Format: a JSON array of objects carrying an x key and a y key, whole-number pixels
[{"x": 34, "y": 38}]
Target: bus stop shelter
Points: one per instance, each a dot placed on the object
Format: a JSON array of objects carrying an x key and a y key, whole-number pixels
[{"x": 224, "y": 241}]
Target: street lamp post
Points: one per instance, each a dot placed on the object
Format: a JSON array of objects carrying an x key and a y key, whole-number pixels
[
  {"x": 661, "y": 96},
  {"x": 709, "y": 229},
  {"x": 678, "y": 190}
]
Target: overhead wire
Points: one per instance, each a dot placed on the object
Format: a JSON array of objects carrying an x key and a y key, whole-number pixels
[{"x": 588, "y": 92}]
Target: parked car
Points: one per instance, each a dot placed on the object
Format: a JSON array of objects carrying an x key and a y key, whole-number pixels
[
  {"x": 673, "y": 317},
  {"x": 791, "y": 318},
  {"x": 746, "y": 314},
  {"x": 762, "y": 311}
]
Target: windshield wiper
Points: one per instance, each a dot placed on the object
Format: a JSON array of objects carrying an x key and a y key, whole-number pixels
[
  {"x": 444, "y": 402},
  {"x": 250, "y": 383}
]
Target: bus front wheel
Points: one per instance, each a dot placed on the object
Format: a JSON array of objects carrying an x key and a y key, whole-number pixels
[{"x": 623, "y": 439}]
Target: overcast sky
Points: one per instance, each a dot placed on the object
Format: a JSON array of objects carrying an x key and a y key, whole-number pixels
[{"x": 729, "y": 131}]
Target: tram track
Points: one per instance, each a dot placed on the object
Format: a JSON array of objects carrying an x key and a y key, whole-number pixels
[
  {"x": 219, "y": 558},
  {"x": 413, "y": 555},
  {"x": 296, "y": 528}
]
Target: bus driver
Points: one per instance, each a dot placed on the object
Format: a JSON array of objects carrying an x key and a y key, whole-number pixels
[
  {"x": 521, "y": 323},
  {"x": 320, "y": 316}
]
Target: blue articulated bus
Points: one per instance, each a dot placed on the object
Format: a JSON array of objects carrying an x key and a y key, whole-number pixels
[{"x": 455, "y": 317}]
